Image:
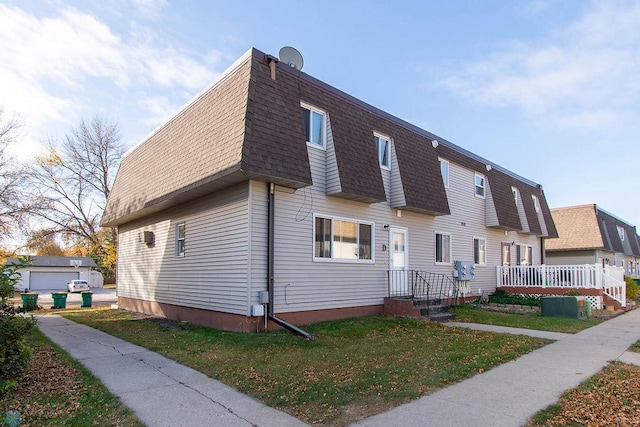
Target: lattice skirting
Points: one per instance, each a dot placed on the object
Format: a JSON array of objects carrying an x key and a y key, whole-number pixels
[{"x": 595, "y": 300}]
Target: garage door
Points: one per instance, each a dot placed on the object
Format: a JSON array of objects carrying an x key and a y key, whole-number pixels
[{"x": 54, "y": 280}]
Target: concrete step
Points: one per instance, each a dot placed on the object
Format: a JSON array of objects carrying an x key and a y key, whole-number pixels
[
  {"x": 434, "y": 309},
  {"x": 442, "y": 317}
]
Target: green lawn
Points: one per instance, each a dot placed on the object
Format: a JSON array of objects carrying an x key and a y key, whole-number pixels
[
  {"x": 355, "y": 368},
  {"x": 55, "y": 390},
  {"x": 472, "y": 314},
  {"x": 635, "y": 347}
]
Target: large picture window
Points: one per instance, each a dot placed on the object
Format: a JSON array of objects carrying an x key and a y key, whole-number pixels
[
  {"x": 341, "y": 239},
  {"x": 314, "y": 126},
  {"x": 443, "y": 248}
]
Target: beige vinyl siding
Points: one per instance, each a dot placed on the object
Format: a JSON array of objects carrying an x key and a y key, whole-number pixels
[
  {"x": 396, "y": 195},
  {"x": 302, "y": 283},
  {"x": 521, "y": 214},
  {"x": 571, "y": 257},
  {"x": 333, "y": 185},
  {"x": 491, "y": 215},
  {"x": 543, "y": 225},
  {"x": 214, "y": 271}
]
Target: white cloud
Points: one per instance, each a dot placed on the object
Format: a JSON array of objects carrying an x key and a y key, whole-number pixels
[
  {"x": 584, "y": 76},
  {"x": 53, "y": 69}
]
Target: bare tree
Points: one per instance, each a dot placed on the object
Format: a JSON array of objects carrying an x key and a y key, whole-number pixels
[
  {"x": 12, "y": 201},
  {"x": 71, "y": 183}
]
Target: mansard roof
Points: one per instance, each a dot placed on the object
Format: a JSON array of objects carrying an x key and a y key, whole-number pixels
[{"x": 246, "y": 125}]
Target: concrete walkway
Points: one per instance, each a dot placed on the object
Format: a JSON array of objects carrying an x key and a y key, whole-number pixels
[
  {"x": 509, "y": 394},
  {"x": 164, "y": 393},
  {"x": 160, "y": 391}
]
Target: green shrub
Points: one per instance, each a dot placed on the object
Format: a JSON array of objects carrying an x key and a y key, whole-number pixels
[
  {"x": 503, "y": 297},
  {"x": 632, "y": 287},
  {"x": 14, "y": 352}
]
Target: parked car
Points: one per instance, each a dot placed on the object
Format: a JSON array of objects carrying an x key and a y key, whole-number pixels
[{"x": 78, "y": 285}]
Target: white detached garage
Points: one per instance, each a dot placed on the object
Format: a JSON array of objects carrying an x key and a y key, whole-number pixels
[{"x": 54, "y": 272}]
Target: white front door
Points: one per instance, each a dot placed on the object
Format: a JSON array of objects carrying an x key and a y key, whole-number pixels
[{"x": 398, "y": 261}]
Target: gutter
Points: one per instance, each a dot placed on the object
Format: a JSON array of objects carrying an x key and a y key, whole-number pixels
[{"x": 271, "y": 189}]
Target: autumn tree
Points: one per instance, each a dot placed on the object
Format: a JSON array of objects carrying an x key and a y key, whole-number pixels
[
  {"x": 12, "y": 201},
  {"x": 70, "y": 185}
]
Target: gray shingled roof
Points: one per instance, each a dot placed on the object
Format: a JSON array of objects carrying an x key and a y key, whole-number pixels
[
  {"x": 55, "y": 261},
  {"x": 248, "y": 126}
]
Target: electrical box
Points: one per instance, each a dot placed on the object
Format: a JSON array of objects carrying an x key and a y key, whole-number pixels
[
  {"x": 465, "y": 270},
  {"x": 263, "y": 297},
  {"x": 257, "y": 310}
]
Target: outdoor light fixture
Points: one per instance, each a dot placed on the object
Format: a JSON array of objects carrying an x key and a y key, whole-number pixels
[{"x": 386, "y": 226}]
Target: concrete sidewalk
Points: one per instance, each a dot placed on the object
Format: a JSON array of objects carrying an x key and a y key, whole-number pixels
[
  {"x": 164, "y": 393},
  {"x": 160, "y": 391},
  {"x": 508, "y": 395}
]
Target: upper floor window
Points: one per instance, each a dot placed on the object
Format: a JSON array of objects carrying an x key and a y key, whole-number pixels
[
  {"x": 536, "y": 203},
  {"x": 443, "y": 248},
  {"x": 444, "y": 170},
  {"x": 480, "y": 184},
  {"x": 620, "y": 232},
  {"x": 314, "y": 125},
  {"x": 479, "y": 253},
  {"x": 384, "y": 146},
  {"x": 524, "y": 254},
  {"x": 180, "y": 239},
  {"x": 514, "y": 191},
  {"x": 342, "y": 239}
]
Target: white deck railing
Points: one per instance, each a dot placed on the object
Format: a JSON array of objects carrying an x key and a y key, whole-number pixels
[{"x": 590, "y": 276}]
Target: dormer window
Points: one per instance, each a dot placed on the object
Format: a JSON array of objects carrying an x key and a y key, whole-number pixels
[
  {"x": 536, "y": 203},
  {"x": 480, "y": 184},
  {"x": 514, "y": 191},
  {"x": 314, "y": 125},
  {"x": 444, "y": 171},
  {"x": 384, "y": 146},
  {"x": 620, "y": 232}
]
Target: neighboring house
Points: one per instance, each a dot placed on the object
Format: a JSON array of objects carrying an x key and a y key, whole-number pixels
[
  {"x": 54, "y": 272},
  {"x": 273, "y": 180},
  {"x": 591, "y": 235}
]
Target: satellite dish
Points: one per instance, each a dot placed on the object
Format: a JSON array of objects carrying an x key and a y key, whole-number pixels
[{"x": 291, "y": 56}]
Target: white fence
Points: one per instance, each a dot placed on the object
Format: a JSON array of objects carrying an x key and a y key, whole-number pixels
[{"x": 589, "y": 276}]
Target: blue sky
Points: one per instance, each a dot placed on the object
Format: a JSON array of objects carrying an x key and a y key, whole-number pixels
[{"x": 548, "y": 89}]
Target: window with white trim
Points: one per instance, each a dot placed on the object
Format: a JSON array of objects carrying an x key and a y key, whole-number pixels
[
  {"x": 536, "y": 203},
  {"x": 443, "y": 248},
  {"x": 480, "y": 185},
  {"x": 620, "y": 232},
  {"x": 524, "y": 254},
  {"x": 479, "y": 252},
  {"x": 514, "y": 191},
  {"x": 314, "y": 125},
  {"x": 180, "y": 239},
  {"x": 444, "y": 171},
  {"x": 340, "y": 239},
  {"x": 383, "y": 145}
]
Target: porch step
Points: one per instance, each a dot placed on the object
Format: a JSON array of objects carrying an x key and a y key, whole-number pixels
[
  {"x": 442, "y": 317},
  {"x": 433, "y": 309}
]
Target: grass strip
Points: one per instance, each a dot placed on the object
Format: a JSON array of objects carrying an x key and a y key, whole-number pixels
[
  {"x": 55, "y": 390},
  {"x": 471, "y": 314},
  {"x": 609, "y": 398},
  {"x": 355, "y": 368}
]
